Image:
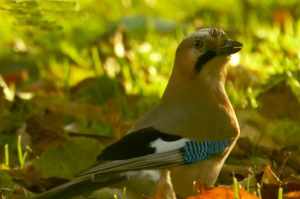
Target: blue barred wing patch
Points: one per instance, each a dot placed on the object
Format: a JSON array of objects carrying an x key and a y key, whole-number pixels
[{"x": 194, "y": 151}]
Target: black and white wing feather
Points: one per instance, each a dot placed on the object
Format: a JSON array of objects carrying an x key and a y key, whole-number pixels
[{"x": 146, "y": 148}]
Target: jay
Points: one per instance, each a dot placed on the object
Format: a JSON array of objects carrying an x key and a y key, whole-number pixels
[{"x": 186, "y": 138}]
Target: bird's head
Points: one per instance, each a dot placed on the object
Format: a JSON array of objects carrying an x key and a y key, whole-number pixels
[{"x": 204, "y": 54}]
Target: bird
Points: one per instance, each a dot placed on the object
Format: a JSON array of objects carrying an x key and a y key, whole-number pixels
[{"x": 185, "y": 138}]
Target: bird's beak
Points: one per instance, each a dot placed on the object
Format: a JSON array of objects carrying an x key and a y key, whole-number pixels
[{"x": 229, "y": 47}]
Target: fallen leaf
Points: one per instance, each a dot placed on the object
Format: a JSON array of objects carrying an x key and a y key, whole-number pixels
[
  {"x": 16, "y": 77},
  {"x": 292, "y": 195},
  {"x": 45, "y": 130},
  {"x": 224, "y": 193}
]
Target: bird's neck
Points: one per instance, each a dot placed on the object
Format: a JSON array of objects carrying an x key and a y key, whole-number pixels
[{"x": 204, "y": 88}]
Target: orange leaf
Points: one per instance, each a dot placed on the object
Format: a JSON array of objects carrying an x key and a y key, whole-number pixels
[
  {"x": 292, "y": 195},
  {"x": 223, "y": 192}
]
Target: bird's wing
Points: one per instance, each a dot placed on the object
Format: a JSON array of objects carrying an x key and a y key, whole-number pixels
[
  {"x": 149, "y": 148},
  {"x": 136, "y": 149}
]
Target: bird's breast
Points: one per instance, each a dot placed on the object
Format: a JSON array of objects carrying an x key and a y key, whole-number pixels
[{"x": 197, "y": 123}]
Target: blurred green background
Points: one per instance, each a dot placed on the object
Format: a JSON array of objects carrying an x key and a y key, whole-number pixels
[{"x": 92, "y": 67}]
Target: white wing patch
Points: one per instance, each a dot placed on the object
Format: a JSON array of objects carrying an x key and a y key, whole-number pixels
[
  {"x": 153, "y": 175},
  {"x": 164, "y": 146}
]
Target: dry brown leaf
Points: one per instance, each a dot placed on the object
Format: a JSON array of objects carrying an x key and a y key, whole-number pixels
[
  {"x": 272, "y": 100},
  {"x": 45, "y": 130},
  {"x": 16, "y": 77},
  {"x": 281, "y": 16}
]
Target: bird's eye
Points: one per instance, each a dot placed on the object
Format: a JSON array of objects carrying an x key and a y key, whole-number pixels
[{"x": 198, "y": 43}]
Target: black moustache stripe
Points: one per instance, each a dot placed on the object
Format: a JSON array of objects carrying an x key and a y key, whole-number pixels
[{"x": 202, "y": 60}]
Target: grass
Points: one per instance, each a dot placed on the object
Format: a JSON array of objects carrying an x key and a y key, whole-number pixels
[
  {"x": 236, "y": 189},
  {"x": 123, "y": 194},
  {"x": 280, "y": 193},
  {"x": 21, "y": 156},
  {"x": 6, "y": 156}
]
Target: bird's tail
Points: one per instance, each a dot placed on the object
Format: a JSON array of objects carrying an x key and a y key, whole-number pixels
[{"x": 80, "y": 185}]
